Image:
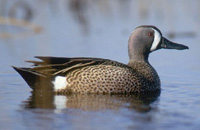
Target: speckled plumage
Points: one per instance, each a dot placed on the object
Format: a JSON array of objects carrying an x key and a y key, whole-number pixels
[
  {"x": 112, "y": 78},
  {"x": 95, "y": 75}
]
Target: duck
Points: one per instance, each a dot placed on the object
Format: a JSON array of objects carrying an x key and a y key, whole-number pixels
[{"x": 63, "y": 75}]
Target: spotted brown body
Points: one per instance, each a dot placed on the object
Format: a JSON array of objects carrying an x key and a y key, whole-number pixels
[{"x": 112, "y": 77}]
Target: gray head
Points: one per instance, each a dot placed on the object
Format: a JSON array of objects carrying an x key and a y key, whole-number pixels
[{"x": 146, "y": 39}]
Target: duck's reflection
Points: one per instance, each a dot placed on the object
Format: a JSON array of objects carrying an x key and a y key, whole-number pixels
[{"x": 91, "y": 102}]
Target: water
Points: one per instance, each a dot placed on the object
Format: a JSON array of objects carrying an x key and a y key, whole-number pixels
[{"x": 99, "y": 29}]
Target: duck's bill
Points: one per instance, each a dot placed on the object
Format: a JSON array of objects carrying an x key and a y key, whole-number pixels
[{"x": 166, "y": 44}]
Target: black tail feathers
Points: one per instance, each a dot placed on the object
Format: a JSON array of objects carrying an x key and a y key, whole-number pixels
[{"x": 33, "y": 79}]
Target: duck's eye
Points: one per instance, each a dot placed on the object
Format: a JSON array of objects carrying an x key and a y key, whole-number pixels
[{"x": 150, "y": 34}]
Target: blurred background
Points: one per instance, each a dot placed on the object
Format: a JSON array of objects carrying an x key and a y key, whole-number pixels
[
  {"x": 97, "y": 28},
  {"x": 101, "y": 28}
]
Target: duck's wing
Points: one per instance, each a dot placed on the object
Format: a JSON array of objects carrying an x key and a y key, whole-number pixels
[{"x": 60, "y": 65}]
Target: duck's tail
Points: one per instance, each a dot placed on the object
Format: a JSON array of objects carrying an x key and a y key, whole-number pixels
[{"x": 33, "y": 79}]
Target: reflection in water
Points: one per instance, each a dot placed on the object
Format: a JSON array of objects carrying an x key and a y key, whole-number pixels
[{"x": 91, "y": 102}]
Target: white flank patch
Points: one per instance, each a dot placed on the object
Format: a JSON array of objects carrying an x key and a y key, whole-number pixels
[
  {"x": 156, "y": 40},
  {"x": 60, "y": 83}
]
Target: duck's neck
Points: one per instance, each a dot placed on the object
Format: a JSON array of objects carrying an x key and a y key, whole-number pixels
[
  {"x": 138, "y": 57},
  {"x": 137, "y": 53},
  {"x": 138, "y": 63}
]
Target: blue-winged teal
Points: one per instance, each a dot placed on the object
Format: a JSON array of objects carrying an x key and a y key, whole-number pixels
[{"x": 95, "y": 75}]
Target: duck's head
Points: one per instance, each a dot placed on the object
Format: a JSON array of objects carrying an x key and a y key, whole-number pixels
[{"x": 146, "y": 39}]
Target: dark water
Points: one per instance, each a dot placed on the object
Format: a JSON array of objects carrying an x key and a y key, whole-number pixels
[{"x": 99, "y": 29}]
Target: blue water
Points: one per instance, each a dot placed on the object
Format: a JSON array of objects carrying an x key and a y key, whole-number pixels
[{"x": 99, "y": 29}]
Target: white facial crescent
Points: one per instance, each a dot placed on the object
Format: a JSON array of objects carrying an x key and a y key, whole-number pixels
[{"x": 157, "y": 38}]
